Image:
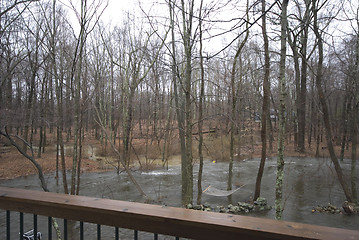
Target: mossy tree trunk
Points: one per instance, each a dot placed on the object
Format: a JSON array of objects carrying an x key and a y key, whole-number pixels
[{"x": 282, "y": 118}]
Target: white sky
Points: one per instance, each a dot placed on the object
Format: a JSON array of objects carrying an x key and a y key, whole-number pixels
[{"x": 117, "y": 10}]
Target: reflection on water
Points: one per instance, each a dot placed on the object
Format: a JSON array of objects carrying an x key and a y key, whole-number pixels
[{"x": 308, "y": 183}]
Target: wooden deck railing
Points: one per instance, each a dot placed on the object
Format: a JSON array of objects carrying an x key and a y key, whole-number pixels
[{"x": 162, "y": 220}]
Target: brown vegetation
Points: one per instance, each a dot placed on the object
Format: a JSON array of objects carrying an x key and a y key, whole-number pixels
[{"x": 100, "y": 157}]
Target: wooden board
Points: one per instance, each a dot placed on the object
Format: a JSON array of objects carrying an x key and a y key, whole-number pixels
[{"x": 163, "y": 220}]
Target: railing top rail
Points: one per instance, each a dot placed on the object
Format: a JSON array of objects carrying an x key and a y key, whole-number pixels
[{"x": 163, "y": 220}]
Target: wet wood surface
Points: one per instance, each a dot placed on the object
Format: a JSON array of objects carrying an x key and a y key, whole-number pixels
[{"x": 162, "y": 220}]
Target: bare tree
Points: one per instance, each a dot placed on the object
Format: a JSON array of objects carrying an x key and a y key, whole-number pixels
[
  {"x": 32, "y": 159},
  {"x": 282, "y": 118},
  {"x": 200, "y": 110},
  {"x": 235, "y": 86},
  {"x": 302, "y": 90},
  {"x": 265, "y": 104},
  {"x": 324, "y": 105},
  {"x": 88, "y": 13}
]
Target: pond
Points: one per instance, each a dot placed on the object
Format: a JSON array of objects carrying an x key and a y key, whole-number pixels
[{"x": 308, "y": 182}]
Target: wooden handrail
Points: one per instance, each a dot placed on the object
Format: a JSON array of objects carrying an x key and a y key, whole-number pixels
[{"x": 163, "y": 220}]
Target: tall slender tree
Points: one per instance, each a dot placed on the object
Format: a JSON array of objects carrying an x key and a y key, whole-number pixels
[
  {"x": 187, "y": 165},
  {"x": 282, "y": 118},
  {"x": 200, "y": 110},
  {"x": 323, "y": 102},
  {"x": 265, "y": 104},
  {"x": 235, "y": 86},
  {"x": 302, "y": 90}
]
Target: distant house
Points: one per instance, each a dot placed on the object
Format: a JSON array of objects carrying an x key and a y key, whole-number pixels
[
  {"x": 272, "y": 114},
  {"x": 257, "y": 117}
]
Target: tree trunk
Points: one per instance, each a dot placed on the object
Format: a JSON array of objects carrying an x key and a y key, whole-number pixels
[
  {"x": 282, "y": 118},
  {"x": 354, "y": 152},
  {"x": 77, "y": 70},
  {"x": 59, "y": 98},
  {"x": 325, "y": 110},
  {"x": 346, "y": 107},
  {"x": 355, "y": 113},
  {"x": 57, "y": 161},
  {"x": 234, "y": 94},
  {"x": 29, "y": 108},
  {"x": 200, "y": 113},
  {"x": 178, "y": 103},
  {"x": 265, "y": 106},
  {"x": 167, "y": 132},
  {"x": 41, "y": 135},
  {"x": 79, "y": 158},
  {"x": 302, "y": 94},
  {"x": 40, "y": 142},
  {"x": 294, "y": 47},
  {"x": 127, "y": 125},
  {"x": 187, "y": 167}
]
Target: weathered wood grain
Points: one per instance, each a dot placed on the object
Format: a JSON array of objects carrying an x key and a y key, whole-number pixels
[{"x": 163, "y": 220}]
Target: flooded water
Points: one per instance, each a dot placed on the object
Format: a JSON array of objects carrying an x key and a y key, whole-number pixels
[{"x": 308, "y": 182}]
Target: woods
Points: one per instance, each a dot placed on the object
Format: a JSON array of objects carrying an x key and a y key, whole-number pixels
[{"x": 200, "y": 79}]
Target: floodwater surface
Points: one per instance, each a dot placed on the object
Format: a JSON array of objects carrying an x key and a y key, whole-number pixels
[{"x": 308, "y": 182}]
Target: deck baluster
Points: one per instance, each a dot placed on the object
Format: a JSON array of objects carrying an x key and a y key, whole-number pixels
[
  {"x": 21, "y": 225},
  {"x": 81, "y": 230},
  {"x": 65, "y": 229},
  {"x": 35, "y": 226},
  {"x": 135, "y": 237},
  {"x": 98, "y": 232},
  {"x": 7, "y": 224},
  {"x": 49, "y": 227},
  {"x": 117, "y": 237}
]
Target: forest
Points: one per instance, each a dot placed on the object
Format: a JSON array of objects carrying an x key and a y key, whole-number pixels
[{"x": 219, "y": 80}]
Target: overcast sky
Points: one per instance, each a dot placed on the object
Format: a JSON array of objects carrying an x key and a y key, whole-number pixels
[{"x": 117, "y": 10}]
